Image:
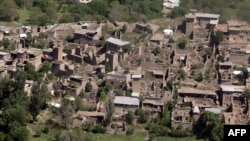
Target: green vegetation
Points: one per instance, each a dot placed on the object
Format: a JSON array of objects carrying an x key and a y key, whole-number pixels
[
  {"x": 182, "y": 73},
  {"x": 18, "y": 108},
  {"x": 182, "y": 43},
  {"x": 247, "y": 93},
  {"x": 216, "y": 37},
  {"x": 156, "y": 51},
  {"x": 228, "y": 9},
  {"x": 209, "y": 126},
  {"x": 88, "y": 87},
  {"x": 43, "y": 12}
]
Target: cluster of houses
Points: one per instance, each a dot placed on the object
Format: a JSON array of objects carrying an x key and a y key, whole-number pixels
[{"x": 79, "y": 62}]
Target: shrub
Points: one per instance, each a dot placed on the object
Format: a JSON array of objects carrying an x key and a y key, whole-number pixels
[
  {"x": 98, "y": 129},
  {"x": 156, "y": 51},
  {"x": 88, "y": 87},
  {"x": 130, "y": 130}
]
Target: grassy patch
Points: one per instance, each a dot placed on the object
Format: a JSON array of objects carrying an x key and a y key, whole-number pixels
[
  {"x": 175, "y": 139},
  {"x": 120, "y": 138}
]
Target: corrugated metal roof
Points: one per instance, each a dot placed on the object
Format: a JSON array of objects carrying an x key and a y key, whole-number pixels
[{"x": 126, "y": 100}]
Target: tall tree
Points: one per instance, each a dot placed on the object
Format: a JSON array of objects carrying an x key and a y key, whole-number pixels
[
  {"x": 247, "y": 94},
  {"x": 38, "y": 99},
  {"x": 65, "y": 113},
  {"x": 8, "y": 10}
]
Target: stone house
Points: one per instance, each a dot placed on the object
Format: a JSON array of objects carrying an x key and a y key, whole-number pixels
[
  {"x": 116, "y": 45},
  {"x": 62, "y": 69},
  {"x": 154, "y": 106},
  {"x": 239, "y": 31},
  {"x": 75, "y": 85},
  {"x": 85, "y": 116},
  {"x": 157, "y": 40},
  {"x": 117, "y": 79},
  {"x": 88, "y": 34},
  {"x": 111, "y": 60},
  {"x": 181, "y": 117},
  {"x": 229, "y": 93},
  {"x": 4, "y": 56},
  {"x": 136, "y": 84},
  {"x": 184, "y": 91},
  {"x": 199, "y": 21},
  {"x": 31, "y": 55},
  {"x": 146, "y": 28}
]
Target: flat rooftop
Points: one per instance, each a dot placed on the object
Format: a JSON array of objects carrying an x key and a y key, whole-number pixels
[
  {"x": 207, "y": 15},
  {"x": 3, "y": 53},
  {"x": 189, "y": 90},
  {"x": 119, "y": 74},
  {"x": 91, "y": 114},
  {"x": 232, "y": 88},
  {"x": 124, "y": 100},
  {"x": 117, "y": 41},
  {"x": 157, "y": 37}
]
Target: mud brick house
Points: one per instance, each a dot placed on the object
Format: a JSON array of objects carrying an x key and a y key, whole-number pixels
[
  {"x": 117, "y": 79},
  {"x": 116, "y": 45}
]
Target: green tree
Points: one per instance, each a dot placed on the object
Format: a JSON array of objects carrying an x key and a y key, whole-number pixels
[
  {"x": 169, "y": 85},
  {"x": 32, "y": 74},
  {"x": 101, "y": 75},
  {"x": 5, "y": 43},
  {"x": 99, "y": 7},
  {"x": 19, "y": 115},
  {"x": 66, "y": 18},
  {"x": 34, "y": 13},
  {"x": 103, "y": 96},
  {"x": 165, "y": 119},
  {"x": 119, "y": 92},
  {"x": 42, "y": 44},
  {"x": 208, "y": 52},
  {"x": 129, "y": 118},
  {"x": 182, "y": 43},
  {"x": 156, "y": 51},
  {"x": 8, "y": 10},
  {"x": 87, "y": 126},
  {"x": 20, "y": 78},
  {"x": 42, "y": 20},
  {"x": 182, "y": 74},
  {"x": 109, "y": 112},
  {"x": 88, "y": 87},
  {"x": 65, "y": 114},
  {"x": 28, "y": 40},
  {"x": 217, "y": 37},
  {"x": 199, "y": 77},
  {"x": 127, "y": 48},
  {"x": 247, "y": 94},
  {"x": 143, "y": 116},
  {"x": 78, "y": 103},
  {"x": 40, "y": 94},
  {"x": 130, "y": 130},
  {"x": 98, "y": 129},
  {"x": 209, "y": 126},
  {"x": 18, "y": 132},
  {"x": 45, "y": 67}
]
